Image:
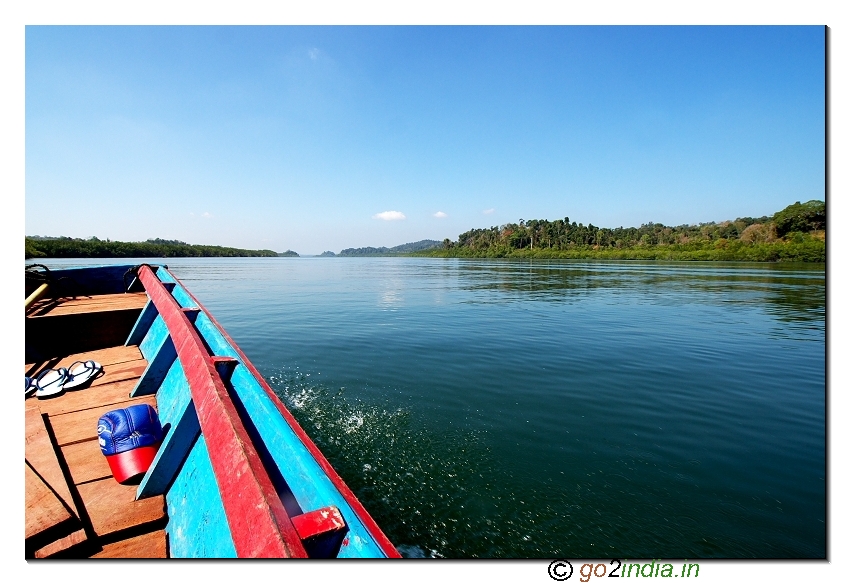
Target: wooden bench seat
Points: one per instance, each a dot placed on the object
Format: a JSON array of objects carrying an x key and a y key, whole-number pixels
[
  {"x": 86, "y": 305},
  {"x": 60, "y": 327}
]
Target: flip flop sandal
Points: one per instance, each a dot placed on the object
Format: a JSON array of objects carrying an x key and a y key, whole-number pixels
[
  {"x": 29, "y": 387},
  {"x": 50, "y": 383},
  {"x": 80, "y": 373}
]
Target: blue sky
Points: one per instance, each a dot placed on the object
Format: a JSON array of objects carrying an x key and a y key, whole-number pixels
[{"x": 309, "y": 138}]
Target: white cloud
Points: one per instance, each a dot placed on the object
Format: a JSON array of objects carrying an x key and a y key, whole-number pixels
[
  {"x": 440, "y": 215},
  {"x": 313, "y": 53},
  {"x": 390, "y": 216},
  {"x": 489, "y": 211},
  {"x": 206, "y": 215}
]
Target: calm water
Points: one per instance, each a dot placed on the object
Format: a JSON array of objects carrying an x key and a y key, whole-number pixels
[{"x": 540, "y": 409}]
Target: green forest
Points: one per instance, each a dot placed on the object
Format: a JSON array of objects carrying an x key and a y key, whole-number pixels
[
  {"x": 37, "y": 247},
  {"x": 796, "y": 233}
]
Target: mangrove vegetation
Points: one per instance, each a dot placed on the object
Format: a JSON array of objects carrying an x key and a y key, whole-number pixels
[
  {"x": 51, "y": 247},
  {"x": 796, "y": 233}
]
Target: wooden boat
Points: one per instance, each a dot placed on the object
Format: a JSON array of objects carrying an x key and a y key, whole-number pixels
[{"x": 234, "y": 475}]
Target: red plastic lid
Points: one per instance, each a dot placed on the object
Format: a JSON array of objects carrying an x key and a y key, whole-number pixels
[{"x": 129, "y": 464}]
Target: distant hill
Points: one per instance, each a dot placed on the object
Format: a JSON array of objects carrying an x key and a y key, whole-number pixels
[
  {"x": 363, "y": 252},
  {"x": 390, "y": 251},
  {"x": 288, "y": 253},
  {"x": 418, "y": 246},
  {"x": 328, "y": 254}
]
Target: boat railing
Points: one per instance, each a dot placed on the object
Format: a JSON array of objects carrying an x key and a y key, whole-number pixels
[{"x": 257, "y": 518}]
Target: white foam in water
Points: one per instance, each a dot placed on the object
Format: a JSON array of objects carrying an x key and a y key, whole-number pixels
[
  {"x": 393, "y": 468},
  {"x": 354, "y": 422},
  {"x": 302, "y": 399}
]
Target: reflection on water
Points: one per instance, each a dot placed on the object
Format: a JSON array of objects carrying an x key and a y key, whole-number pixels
[
  {"x": 797, "y": 290},
  {"x": 498, "y": 408}
]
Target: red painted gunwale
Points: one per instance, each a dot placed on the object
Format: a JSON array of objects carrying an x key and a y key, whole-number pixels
[
  {"x": 259, "y": 524},
  {"x": 368, "y": 522}
]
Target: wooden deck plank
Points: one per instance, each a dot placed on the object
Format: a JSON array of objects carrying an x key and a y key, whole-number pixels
[
  {"x": 63, "y": 544},
  {"x": 120, "y": 372},
  {"x": 117, "y": 299},
  {"x": 94, "y": 396},
  {"x": 103, "y": 497},
  {"x": 70, "y": 308},
  {"x": 105, "y": 356},
  {"x": 82, "y": 425},
  {"x": 86, "y": 304},
  {"x": 44, "y": 305},
  {"x": 86, "y": 462},
  {"x": 41, "y": 455},
  {"x": 44, "y": 509},
  {"x": 146, "y": 546}
]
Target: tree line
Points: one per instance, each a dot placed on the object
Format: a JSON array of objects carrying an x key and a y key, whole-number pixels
[
  {"x": 404, "y": 249},
  {"x": 36, "y": 247},
  {"x": 796, "y": 233}
]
